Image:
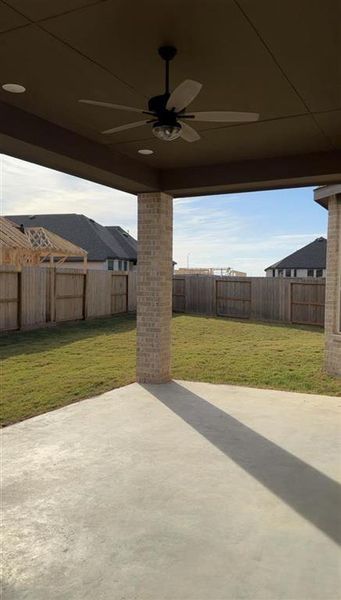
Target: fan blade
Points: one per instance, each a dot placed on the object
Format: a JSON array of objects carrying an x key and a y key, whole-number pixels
[
  {"x": 225, "y": 116},
  {"x": 124, "y": 127},
  {"x": 110, "y": 105},
  {"x": 188, "y": 133},
  {"x": 183, "y": 95}
]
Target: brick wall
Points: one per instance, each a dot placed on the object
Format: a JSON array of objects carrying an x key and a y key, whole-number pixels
[
  {"x": 154, "y": 287},
  {"x": 332, "y": 311}
]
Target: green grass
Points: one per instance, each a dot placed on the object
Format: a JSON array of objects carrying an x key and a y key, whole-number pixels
[{"x": 49, "y": 368}]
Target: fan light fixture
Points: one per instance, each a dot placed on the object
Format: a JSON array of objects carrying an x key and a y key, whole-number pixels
[
  {"x": 14, "y": 88},
  {"x": 167, "y": 113},
  {"x": 167, "y": 133}
]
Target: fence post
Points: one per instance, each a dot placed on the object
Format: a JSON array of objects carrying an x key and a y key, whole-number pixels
[
  {"x": 84, "y": 295},
  {"x": 19, "y": 296},
  {"x": 53, "y": 283},
  {"x": 216, "y": 280},
  {"x": 213, "y": 298}
]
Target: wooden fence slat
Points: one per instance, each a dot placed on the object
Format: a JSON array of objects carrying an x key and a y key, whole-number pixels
[
  {"x": 69, "y": 292},
  {"x": 119, "y": 289},
  {"x": 307, "y": 303},
  {"x": 98, "y": 301},
  {"x": 200, "y": 297},
  {"x": 233, "y": 298},
  {"x": 33, "y": 296},
  {"x": 179, "y": 295},
  {"x": 9, "y": 300}
]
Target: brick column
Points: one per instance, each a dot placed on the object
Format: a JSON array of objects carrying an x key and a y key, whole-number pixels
[
  {"x": 154, "y": 287},
  {"x": 333, "y": 290}
]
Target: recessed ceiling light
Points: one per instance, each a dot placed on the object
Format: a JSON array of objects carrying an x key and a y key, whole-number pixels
[
  {"x": 145, "y": 151},
  {"x": 14, "y": 88}
]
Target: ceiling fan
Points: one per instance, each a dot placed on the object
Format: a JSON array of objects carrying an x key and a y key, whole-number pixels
[{"x": 167, "y": 112}]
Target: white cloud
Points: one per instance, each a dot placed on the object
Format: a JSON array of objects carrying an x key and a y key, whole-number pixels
[
  {"x": 31, "y": 189},
  {"x": 222, "y": 238}
]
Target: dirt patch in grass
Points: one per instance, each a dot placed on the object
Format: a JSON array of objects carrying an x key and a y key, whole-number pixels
[{"x": 49, "y": 368}]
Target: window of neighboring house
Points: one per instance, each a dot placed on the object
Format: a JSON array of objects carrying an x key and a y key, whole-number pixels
[
  {"x": 319, "y": 273},
  {"x": 310, "y": 273},
  {"x": 280, "y": 272},
  {"x": 288, "y": 272},
  {"x": 273, "y": 272},
  {"x": 295, "y": 273},
  {"x": 120, "y": 265},
  {"x": 110, "y": 264},
  {"x": 125, "y": 265}
]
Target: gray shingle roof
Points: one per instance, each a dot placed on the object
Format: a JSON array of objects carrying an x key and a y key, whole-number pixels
[
  {"x": 100, "y": 242},
  {"x": 311, "y": 256},
  {"x": 126, "y": 241}
]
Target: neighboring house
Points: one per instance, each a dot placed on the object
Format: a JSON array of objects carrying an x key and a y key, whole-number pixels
[
  {"x": 309, "y": 261},
  {"x": 109, "y": 248}
]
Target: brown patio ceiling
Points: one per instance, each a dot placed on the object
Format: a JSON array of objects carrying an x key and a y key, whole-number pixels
[{"x": 281, "y": 59}]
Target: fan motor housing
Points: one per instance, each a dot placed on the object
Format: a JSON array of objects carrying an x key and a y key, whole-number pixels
[{"x": 158, "y": 103}]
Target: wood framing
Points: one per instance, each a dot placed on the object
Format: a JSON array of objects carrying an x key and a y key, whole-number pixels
[
  {"x": 51, "y": 246},
  {"x": 15, "y": 247},
  {"x": 35, "y": 246}
]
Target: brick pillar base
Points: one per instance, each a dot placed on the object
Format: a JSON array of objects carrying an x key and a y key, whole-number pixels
[
  {"x": 333, "y": 289},
  {"x": 154, "y": 287}
]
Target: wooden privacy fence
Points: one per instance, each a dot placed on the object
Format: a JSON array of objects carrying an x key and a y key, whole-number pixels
[
  {"x": 307, "y": 303},
  {"x": 233, "y": 298},
  {"x": 36, "y": 296},
  {"x": 258, "y": 298}
]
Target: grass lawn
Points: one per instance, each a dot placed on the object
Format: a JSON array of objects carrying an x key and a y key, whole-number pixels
[{"x": 48, "y": 368}]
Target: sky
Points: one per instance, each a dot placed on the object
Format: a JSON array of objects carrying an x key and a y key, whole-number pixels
[{"x": 246, "y": 232}]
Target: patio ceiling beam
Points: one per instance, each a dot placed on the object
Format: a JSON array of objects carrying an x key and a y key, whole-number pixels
[
  {"x": 32, "y": 138},
  {"x": 250, "y": 175}
]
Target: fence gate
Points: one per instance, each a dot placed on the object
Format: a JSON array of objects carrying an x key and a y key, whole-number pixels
[
  {"x": 119, "y": 294},
  {"x": 70, "y": 296},
  {"x": 179, "y": 297},
  {"x": 233, "y": 298},
  {"x": 307, "y": 303}
]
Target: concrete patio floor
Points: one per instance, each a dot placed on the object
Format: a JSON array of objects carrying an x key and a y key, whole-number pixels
[{"x": 183, "y": 491}]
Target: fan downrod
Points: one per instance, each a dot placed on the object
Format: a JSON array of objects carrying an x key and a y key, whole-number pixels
[{"x": 157, "y": 104}]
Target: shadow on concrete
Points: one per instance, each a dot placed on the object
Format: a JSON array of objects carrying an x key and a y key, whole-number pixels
[{"x": 313, "y": 495}]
